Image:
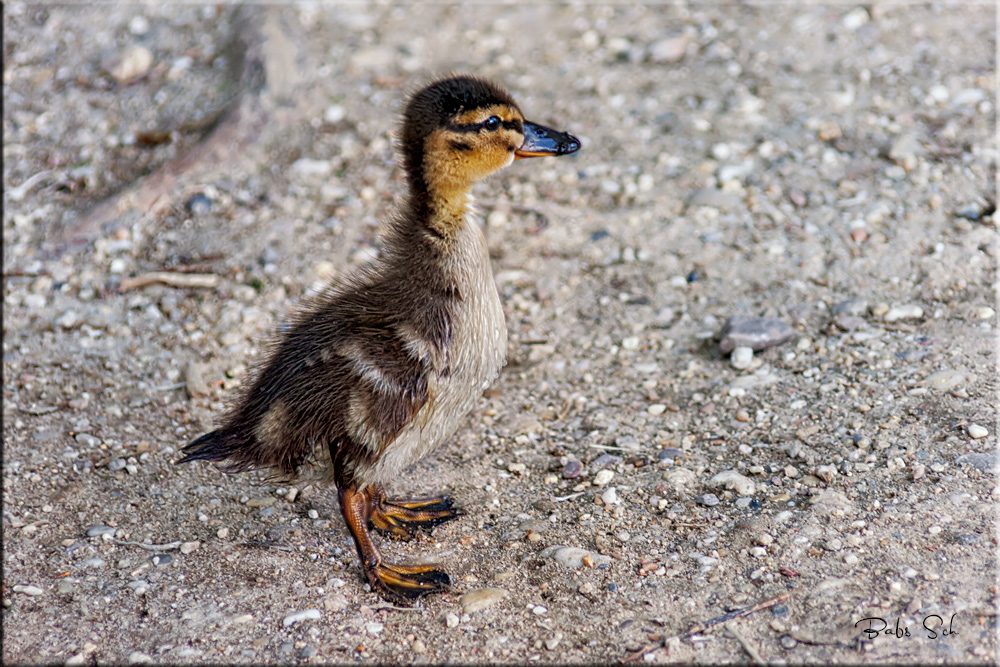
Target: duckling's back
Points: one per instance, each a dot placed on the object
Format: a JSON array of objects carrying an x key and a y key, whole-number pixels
[{"x": 377, "y": 372}]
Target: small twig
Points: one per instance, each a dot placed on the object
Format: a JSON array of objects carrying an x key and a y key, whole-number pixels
[
  {"x": 18, "y": 192},
  {"x": 40, "y": 410},
  {"x": 173, "y": 279},
  {"x": 751, "y": 651},
  {"x": 170, "y": 546},
  {"x": 708, "y": 624},
  {"x": 170, "y": 387},
  {"x": 571, "y": 496},
  {"x": 395, "y": 608},
  {"x": 622, "y": 449}
]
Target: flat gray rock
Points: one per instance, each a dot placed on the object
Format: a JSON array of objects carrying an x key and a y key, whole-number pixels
[{"x": 757, "y": 333}]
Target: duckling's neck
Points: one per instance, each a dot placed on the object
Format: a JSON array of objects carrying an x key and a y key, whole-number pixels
[{"x": 442, "y": 210}]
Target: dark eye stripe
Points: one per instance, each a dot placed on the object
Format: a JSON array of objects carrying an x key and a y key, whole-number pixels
[{"x": 476, "y": 127}]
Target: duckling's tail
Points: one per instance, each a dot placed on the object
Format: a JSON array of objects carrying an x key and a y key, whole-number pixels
[
  {"x": 241, "y": 451},
  {"x": 209, "y": 447}
]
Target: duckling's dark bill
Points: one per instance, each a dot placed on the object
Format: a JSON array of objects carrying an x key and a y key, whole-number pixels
[{"x": 540, "y": 141}]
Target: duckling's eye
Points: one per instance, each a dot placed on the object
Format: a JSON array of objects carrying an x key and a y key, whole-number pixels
[{"x": 492, "y": 123}]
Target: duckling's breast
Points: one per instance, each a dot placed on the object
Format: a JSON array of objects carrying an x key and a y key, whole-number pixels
[{"x": 470, "y": 363}]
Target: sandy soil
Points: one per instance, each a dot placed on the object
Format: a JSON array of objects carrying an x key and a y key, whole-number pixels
[{"x": 832, "y": 167}]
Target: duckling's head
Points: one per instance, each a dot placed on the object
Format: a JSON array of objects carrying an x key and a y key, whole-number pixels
[{"x": 458, "y": 130}]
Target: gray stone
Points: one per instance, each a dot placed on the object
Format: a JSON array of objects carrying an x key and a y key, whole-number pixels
[
  {"x": 99, "y": 531},
  {"x": 605, "y": 460},
  {"x": 848, "y": 322},
  {"x": 851, "y": 308},
  {"x": 981, "y": 461},
  {"x": 707, "y": 499},
  {"x": 757, "y": 333}
]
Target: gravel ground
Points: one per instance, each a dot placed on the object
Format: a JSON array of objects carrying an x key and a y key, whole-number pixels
[{"x": 635, "y": 474}]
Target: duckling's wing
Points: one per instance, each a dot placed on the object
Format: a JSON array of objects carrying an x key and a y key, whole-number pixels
[{"x": 347, "y": 379}]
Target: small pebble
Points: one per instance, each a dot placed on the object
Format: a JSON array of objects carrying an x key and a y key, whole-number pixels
[
  {"x": 656, "y": 409},
  {"x": 374, "y": 628},
  {"x": 610, "y": 496},
  {"x": 731, "y": 479},
  {"x": 189, "y": 547},
  {"x": 553, "y": 643},
  {"x": 451, "y": 620},
  {"x": 304, "y": 615},
  {"x": 572, "y": 470},
  {"x": 480, "y": 599},
  {"x": 756, "y": 333},
  {"x": 28, "y": 590},
  {"x": 573, "y": 557},
  {"x": 788, "y": 642},
  {"x": 905, "y": 312},
  {"x": 976, "y": 431},
  {"x": 539, "y": 610},
  {"x": 419, "y": 646},
  {"x": 741, "y": 358},
  {"x": 603, "y": 477},
  {"x": 707, "y": 499},
  {"x": 100, "y": 531},
  {"x": 851, "y": 308}
]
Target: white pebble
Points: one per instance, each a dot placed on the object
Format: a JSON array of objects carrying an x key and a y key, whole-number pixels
[
  {"x": 905, "y": 312},
  {"x": 656, "y": 409},
  {"x": 610, "y": 496},
  {"x": 138, "y": 26},
  {"x": 603, "y": 477},
  {"x": 851, "y": 559},
  {"x": 451, "y": 620},
  {"x": 304, "y": 615},
  {"x": 539, "y": 610},
  {"x": 28, "y": 590},
  {"x": 334, "y": 114},
  {"x": 976, "y": 431},
  {"x": 741, "y": 358}
]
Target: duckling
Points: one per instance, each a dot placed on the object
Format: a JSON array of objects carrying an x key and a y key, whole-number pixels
[{"x": 384, "y": 366}]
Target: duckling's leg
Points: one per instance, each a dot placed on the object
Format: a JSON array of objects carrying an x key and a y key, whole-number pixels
[
  {"x": 396, "y": 583},
  {"x": 400, "y": 517}
]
